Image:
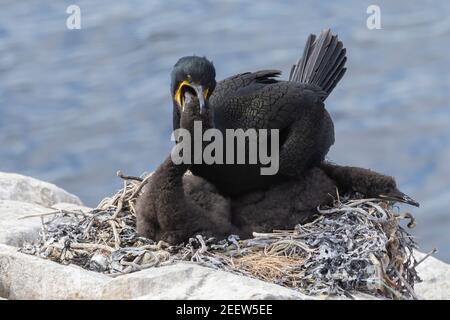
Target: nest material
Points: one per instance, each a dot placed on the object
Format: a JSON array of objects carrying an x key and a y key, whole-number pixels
[{"x": 355, "y": 245}]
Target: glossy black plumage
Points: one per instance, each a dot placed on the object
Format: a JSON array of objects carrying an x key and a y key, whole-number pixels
[
  {"x": 259, "y": 100},
  {"x": 174, "y": 207}
]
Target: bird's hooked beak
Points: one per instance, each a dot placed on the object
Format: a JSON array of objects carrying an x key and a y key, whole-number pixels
[
  {"x": 399, "y": 196},
  {"x": 201, "y": 95},
  {"x": 199, "y": 91}
]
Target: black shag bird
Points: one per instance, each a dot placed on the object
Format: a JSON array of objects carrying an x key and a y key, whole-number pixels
[
  {"x": 174, "y": 207},
  {"x": 259, "y": 100}
]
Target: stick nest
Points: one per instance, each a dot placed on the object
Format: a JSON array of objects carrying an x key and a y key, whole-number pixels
[{"x": 355, "y": 245}]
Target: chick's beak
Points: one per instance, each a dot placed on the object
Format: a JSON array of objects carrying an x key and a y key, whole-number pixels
[{"x": 399, "y": 196}]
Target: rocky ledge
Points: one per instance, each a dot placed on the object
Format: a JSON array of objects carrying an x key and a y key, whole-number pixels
[{"x": 28, "y": 277}]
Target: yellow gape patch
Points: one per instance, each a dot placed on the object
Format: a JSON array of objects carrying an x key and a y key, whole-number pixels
[
  {"x": 177, "y": 96},
  {"x": 178, "y": 93}
]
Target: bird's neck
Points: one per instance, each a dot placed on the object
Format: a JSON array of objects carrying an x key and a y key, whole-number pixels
[
  {"x": 185, "y": 119},
  {"x": 170, "y": 172},
  {"x": 189, "y": 117}
]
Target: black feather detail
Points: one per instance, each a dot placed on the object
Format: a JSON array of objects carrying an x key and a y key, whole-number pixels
[{"x": 322, "y": 63}]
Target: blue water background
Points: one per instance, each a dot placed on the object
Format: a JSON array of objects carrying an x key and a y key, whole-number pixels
[{"x": 76, "y": 106}]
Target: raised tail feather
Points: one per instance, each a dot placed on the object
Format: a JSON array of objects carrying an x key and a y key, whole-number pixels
[{"x": 322, "y": 63}]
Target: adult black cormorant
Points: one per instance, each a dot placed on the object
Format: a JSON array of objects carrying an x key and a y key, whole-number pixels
[
  {"x": 174, "y": 207},
  {"x": 260, "y": 101}
]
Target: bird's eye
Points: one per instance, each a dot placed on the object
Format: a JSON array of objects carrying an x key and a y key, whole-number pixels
[{"x": 189, "y": 78}]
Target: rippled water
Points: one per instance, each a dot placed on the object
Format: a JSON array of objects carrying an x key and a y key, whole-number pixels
[{"x": 76, "y": 106}]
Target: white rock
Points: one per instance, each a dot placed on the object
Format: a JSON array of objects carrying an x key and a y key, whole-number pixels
[
  {"x": 190, "y": 281},
  {"x": 14, "y": 231},
  {"x": 436, "y": 278},
  {"x": 27, "y": 277},
  {"x": 22, "y": 188}
]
